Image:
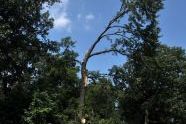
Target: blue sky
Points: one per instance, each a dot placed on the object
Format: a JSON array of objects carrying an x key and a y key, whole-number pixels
[{"x": 83, "y": 20}]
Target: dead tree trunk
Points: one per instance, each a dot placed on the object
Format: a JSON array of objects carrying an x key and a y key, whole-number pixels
[
  {"x": 89, "y": 54},
  {"x": 83, "y": 88}
]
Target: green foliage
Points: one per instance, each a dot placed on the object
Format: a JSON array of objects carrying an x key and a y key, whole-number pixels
[
  {"x": 138, "y": 29},
  {"x": 100, "y": 103},
  {"x": 41, "y": 110},
  {"x": 155, "y": 85},
  {"x": 12, "y": 107},
  {"x": 24, "y": 29},
  {"x": 56, "y": 89}
]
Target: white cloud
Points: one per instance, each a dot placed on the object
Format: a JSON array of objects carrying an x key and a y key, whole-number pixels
[
  {"x": 62, "y": 21},
  {"x": 59, "y": 12},
  {"x": 89, "y": 17}
]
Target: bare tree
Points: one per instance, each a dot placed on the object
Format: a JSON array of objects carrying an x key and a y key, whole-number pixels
[{"x": 90, "y": 53}]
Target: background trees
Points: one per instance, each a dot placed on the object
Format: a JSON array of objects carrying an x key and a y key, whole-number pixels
[
  {"x": 23, "y": 42},
  {"x": 24, "y": 29},
  {"x": 55, "y": 89},
  {"x": 152, "y": 89}
]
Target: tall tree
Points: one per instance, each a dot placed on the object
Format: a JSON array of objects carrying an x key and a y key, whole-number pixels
[
  {"x": 152, "y": 91},
  {"x": 23, "y": 38},
  {"x": 56, "y": 88},
  {"x": 125, "y": 36},
  {"x": 24, "y": 27}
]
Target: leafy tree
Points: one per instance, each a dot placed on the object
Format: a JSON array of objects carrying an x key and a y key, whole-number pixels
[
  {"x": 42, "y": 109},
  {"x": 23, "y": 39},
  {"x": 142, "y": 34},
  {"x": 56, "y": 88},
  {"x": 100, "y": 99},
  {"x": 152, "y": 89},
  {"x": 24, "y": 28},
  {"x": 12, "y": 107}
]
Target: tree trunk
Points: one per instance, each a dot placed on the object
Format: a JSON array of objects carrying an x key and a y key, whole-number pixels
[
  {"x": 82, "y": 90},
  {"x": 146, "y": 117},
  {"x": 87, "y": 56}
]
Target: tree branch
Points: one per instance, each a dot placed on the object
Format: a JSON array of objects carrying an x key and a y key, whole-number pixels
[
  {"x": 118, "y": 33},
  {"x": 103, "y": 34},
  {"x": 107, "y": 51},
  {"x": 79, "y": 62},
  {"x": 117, "y": 26}
]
